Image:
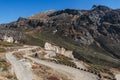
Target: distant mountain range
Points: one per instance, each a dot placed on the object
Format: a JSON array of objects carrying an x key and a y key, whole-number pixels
[{"x": 93, "y": 35}]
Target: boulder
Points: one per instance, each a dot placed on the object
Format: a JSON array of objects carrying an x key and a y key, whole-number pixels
[{"x": 57, "y": 50}]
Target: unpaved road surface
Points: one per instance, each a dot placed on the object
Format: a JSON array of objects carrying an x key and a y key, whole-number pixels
[
  {"x": 21, "y": 71},
  {"x": 76, "y": 74},
  {"x": 24, "y": 73}
]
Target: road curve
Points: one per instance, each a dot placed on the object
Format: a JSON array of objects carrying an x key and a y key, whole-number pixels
[
  {"x": 24, "y": 73},
  {"x": 77, "y": 74},
  {"x": 21, "y": 71}
]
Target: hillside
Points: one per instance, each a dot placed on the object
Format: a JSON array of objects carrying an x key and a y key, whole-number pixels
[{"x": 93, "y": 35}]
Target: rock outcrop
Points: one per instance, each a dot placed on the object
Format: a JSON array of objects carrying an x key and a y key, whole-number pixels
[
  {"x": 12, "y": 36},
  {"x": 58, "y": 50},
  {"x": 8, "y": 39}
]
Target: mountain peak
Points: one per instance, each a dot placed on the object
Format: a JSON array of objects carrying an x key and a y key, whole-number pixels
[{"x": 101, "y": 7}]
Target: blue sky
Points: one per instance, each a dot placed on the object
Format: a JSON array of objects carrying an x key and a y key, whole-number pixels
[{"x": 10, "y": 10}]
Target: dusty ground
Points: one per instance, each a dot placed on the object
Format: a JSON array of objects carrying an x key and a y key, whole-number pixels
[
  {"x": 45, "y": 73},
  {"x": 75, "y": 74},
  {"x": 40, "y": 69},
  {"x": 5, "y": 67}
]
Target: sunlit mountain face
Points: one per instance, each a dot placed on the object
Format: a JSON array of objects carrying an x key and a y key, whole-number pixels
[{"x": 66, "y": 37}]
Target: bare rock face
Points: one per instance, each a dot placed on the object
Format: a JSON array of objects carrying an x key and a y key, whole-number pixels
[
  {"x": 8, "y": 39},
  {"x": 58, "y": 50},
  {"x": 47, "y": 46},
  {"x": 12, "y": 36}
]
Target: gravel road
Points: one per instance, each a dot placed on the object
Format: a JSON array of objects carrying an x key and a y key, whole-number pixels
[
  {"x": 77, "y": 74},
  {"x": 21, "y": 71}
]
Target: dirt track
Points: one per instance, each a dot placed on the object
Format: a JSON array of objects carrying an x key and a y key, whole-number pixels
[
  {"x": 21, "y": 71},
  {"x": 24, "y": 73},
  {"x": 76, "y": 74}
]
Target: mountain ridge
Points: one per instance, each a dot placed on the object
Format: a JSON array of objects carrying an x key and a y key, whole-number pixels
[{"x": 92, "y": 34}]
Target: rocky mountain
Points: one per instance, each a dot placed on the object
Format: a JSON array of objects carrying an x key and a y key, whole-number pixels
[{"x": 93, "y": 35}]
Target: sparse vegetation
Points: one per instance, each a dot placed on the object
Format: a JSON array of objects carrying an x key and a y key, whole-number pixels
[
  {"x": 19, "y": 55},
  {"x": 101, "y": 69},
  {"x": 80, "y": 52},
  {"x": 2, "y": 50},
  {"x": 47, "y": 73},
  {"x": 52, "y": 78},
  {"x": 4, "y": 70},
  {"x": 7, "y": 44},
  {"x": 31, "y": 40},
  {"x": 3, "y": 62},
  {"x": 97, "y": 68},
  {"x": 94, "y": 36},
  {"x": 64, "y": 60}
]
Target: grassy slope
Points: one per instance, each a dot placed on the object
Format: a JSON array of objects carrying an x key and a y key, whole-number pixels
[
  {"x": 5, "y": 44},
  {"x": 83, "y": 53},
  {"x": 2, "y": 50}
]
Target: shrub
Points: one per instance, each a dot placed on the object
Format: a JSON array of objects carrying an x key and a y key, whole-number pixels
[{"x": 64, "y": 60}]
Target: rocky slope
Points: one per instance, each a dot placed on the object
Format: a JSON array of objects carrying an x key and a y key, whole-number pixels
[
  {"x": 12, "y": 36},
  {"x": 93, "y": 35}
]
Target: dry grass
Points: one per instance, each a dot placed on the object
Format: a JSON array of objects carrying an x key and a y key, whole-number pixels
[
  {"x": 19, "y": 55},
  {"x": 64, "y": 60},
  {"x": 7, "y": 44},
  {"x": 36, "y": 50},
  {"x": 103, "y": 70},
  {"x": 4, "y": 72},
  {"x": 52, "y": 78},
  {"x": 8, "y": 75},
  {"x": 2, "y": 50},
  {"x": 45, "y": 73}
]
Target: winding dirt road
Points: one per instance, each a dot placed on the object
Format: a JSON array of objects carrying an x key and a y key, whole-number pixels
[
  {"x": 21, "y": 71},
  {"x": 77, "y": 74},
  {"x": 24, "y": 73}
]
